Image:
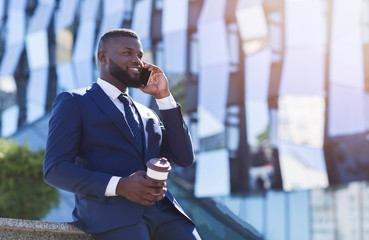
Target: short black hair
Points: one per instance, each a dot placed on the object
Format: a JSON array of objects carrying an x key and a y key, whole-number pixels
[{"x": 119, "y": 32}]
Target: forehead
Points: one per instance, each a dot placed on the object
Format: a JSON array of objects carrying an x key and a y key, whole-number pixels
[{"x": 125, "y": 42}]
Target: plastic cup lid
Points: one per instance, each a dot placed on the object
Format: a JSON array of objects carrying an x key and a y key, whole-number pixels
[{"x": 159, "y": 164}]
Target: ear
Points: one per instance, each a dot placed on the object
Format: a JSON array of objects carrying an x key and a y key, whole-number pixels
[{"x": 103, "y": 59}]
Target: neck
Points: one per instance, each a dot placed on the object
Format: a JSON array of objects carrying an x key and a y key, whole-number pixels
[{"x": 113, "y": 81}]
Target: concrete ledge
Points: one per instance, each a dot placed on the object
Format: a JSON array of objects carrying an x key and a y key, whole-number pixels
[{"x": 30, "y": 229}]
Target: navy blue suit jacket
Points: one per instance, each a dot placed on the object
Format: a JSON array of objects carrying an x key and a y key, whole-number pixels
[{"x": 89, "y": 141}]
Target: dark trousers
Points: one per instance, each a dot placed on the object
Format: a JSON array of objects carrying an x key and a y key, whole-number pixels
[{"x": 161, "y": 221}]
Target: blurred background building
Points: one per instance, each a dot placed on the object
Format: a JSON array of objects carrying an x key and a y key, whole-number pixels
[{"x": 275, "y": 92}]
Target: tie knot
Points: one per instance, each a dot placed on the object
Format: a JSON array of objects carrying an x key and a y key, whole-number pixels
[{"x": 124, "y": 99}]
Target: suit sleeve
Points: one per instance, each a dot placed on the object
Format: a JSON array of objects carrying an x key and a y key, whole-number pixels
[
  {"x": 61, "y": 152},
  {"x": 177, "y": 144}
]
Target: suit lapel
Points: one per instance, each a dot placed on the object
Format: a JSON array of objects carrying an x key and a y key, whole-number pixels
[{"x": 107, "y": 106}]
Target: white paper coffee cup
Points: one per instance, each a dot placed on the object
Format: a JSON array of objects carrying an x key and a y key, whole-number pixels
[{"x": 158, "y": 168}]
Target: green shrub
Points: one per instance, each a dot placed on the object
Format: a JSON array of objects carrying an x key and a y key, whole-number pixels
[{"x": 23, "y": 192}]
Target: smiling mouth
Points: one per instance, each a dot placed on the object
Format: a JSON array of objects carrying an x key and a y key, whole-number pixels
[{"x": 134, "y": 70}]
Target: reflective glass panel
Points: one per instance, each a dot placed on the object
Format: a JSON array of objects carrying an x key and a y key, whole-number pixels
[
  {"x": 299, "y": 215},
  {"x": 113, "y": 7},
  {"x": 276, "y": 218},
  {"x": 16, "y": 27},
  {"x": 83, "y": 50},
  {"x": 306, "y": 23},
  {"x": 66, "y": 77},
  {"x": 303, "y": 71},
  {"x": 257, "y": 74},
  {"x": 212, "y": 174},
  {"x": 41, "y": 18},
  {"x": 109, "y": 22},
  {"x": 37, "y": 49},
  {"x": 252, "y": 211},
  {"x": 301, "y": 120},
  {"x": 302, "y": 167},
  {"x": 142, "y": 25},
  {"x": 175, "y": 15},
  {"x": 10, "y": 59},
  {"x": 175, "y": 42},
  {"x": 84, "y": 72},
  {"x": 212, "y": 9},
  {"x": 253, "y": 28},
  {"x": 213, "y": 103},
  {"x": 9, "y": 121},
  {"x": 347, "y": 66},
  {"x": 36, "y": 94},
  {"x": 8, "y": 85},
  {"x": 65, "y": 14},
  {"x": 20, "y": 4},
  {"x": 215, "y": 51},
  {"x": 346, "y": 110},
  {"x": 89, "y": 10},
  {"x": 64, "y": 46},
  {"x": 257, "y": 120},
  {"x": 140, "y": 97}
]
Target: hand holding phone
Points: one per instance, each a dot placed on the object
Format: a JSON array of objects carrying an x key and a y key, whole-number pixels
[{"x": 145, "y": 76}]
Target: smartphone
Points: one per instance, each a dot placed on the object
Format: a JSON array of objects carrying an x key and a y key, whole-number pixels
[{"x": 145, "y": 76}]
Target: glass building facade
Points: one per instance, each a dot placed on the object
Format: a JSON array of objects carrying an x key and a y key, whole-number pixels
[{"x": 275, "y": 93}]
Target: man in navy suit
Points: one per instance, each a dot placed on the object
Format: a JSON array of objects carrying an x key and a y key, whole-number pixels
[{"x": 100, "y": 139}]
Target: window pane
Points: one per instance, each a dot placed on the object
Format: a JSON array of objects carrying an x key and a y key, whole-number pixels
[
  {"x": 253, "y": 28},
  {"x": 303, "y": 72},
  {"x": 346, "y": 110},
  {"x": 10, "y": 59},
  {"x": 257, "y": 120},
  {"x": 37, "y": 49},
  {"x": 212, "y": 9},
  {"x": 175, "y": 42},
  {"x": 257, "y": 74},
  {"x": 89, "y": 10},
  {"x": 299, "y": 215},
  {"x": 66, "y": 77},
  {"x": 140, "y": 97},
  {"x": 215, "y": 51},
  {"x": 41, "y": 18},
  {"x": 64, "y": 46},
  {"x": 175, "y": 15},
  {"x": 65, "y": 14},
  {"x": 141, "y": 25},
  {"x": 16, "y": 27},
  {"x": 9, "y": 121},
  {"x": 36, "y": 94},
  {"x": 301, "y": 120},
  {"x": 276, "y": 218},
  {"x": 216, "y": 183},
  {"x": 302, "y": 167},
  {"x": 85, "y": 42},
  {"x": 253, "y": 212},
  {"x": 113, "y": 7},
  {"x": 213, "y": 103},
  {"x": 85, "y": 75},
  {"x": 306, "y": 23}
]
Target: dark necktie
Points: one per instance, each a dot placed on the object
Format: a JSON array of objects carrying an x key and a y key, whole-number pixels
[{"x": 133, "y": 124}]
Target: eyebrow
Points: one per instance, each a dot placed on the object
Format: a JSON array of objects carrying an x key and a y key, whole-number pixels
[{"x": 132, "y": 49}]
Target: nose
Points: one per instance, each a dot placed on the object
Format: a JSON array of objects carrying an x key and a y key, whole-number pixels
[{"x": 136, "y": 59}]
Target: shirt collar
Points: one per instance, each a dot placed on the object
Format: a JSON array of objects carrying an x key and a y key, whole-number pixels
[{"x": 110, "y": 89}]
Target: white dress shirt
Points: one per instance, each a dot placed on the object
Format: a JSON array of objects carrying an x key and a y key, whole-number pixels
[{"x": 113, "y": 93}]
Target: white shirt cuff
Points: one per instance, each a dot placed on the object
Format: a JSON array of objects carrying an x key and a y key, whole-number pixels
[
  {"x": 166, "y": 103},
  {"x": 112, "y": 186}
]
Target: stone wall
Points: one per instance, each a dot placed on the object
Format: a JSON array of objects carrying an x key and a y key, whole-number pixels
[{"x": 19, "y": 229}]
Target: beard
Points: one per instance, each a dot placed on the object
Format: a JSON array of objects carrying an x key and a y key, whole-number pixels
[{"x": 123, "y": 76}]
